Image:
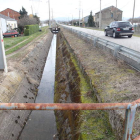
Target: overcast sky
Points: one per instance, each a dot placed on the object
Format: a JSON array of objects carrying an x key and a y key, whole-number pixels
[{"x": 67, "y": 8}]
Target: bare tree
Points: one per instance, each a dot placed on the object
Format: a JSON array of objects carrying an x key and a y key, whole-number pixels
[{"x": 26, "y": 20}]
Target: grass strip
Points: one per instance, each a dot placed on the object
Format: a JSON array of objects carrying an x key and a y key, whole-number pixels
[
  {"x": 10, "y": 42},
  {"x": 26, "y": 42}
]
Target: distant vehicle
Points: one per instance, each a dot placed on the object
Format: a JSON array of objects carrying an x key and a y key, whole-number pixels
[
  {"x": 119, "y": 28},
  {"x": 69, "y": 24},
  {"x": 11, "y": 33},
  {"x": 40, "y": 28}
]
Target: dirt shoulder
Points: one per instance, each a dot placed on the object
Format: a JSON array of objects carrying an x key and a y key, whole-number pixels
[
  {"x": 20, "y": 84},
  {"x": 113, "y": 80}
]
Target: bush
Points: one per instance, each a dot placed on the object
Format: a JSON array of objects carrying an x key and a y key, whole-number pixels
[
  {"x": 26, "y": 32},
  {"x": 31, "y": 29}
]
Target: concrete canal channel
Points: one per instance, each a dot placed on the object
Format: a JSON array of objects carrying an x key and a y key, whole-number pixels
[
  {"x": 41, "y": 124},
  {"x": 66, "y": 83}
]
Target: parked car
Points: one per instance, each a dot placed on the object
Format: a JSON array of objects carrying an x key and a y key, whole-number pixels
[
  {"x": 40, "y": 28},
  {"x": 11, "y": 33},
  {"x": 119, "y": 28}
]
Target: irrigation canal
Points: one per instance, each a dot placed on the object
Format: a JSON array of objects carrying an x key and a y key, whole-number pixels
[{"x": 41, "y": 125}]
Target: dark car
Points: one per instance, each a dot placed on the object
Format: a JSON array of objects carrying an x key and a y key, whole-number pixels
[
  {"x": 119, "y": 28},
  {"x": 11, "y": 33}
]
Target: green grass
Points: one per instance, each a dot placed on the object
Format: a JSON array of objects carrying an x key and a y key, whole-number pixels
[
  {"x": 137, "y": 35},
  {"x": 10, "y": 42},
  {"x": 31, "y": 37}
]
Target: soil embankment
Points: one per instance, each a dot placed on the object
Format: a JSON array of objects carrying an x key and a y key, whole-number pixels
[
  {"x": 110, "y": 80},
  {"x": 20, "y": 85},
  {"x": 72, "y": 86}
]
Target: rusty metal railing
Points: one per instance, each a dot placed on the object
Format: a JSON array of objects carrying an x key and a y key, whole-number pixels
[{"x": 129, "y": 115}]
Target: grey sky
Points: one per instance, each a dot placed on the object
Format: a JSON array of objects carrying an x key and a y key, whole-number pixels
[{"x": 67, "y": 8}]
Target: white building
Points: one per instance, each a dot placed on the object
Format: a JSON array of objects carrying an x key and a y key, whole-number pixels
[
  {"x": 3, "y": 24},
  {"x": 7, "y": 23}
]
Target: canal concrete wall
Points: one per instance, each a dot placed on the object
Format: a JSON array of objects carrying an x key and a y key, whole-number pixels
[{"x": 20, "y": 85}]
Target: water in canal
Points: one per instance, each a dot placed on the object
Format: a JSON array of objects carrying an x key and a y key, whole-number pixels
[{"x": 41, "y": 124}]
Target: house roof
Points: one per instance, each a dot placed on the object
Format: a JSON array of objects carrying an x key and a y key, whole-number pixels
[
  {"x": 108, "y": 8},
  {"x": 10, "y": 9},
  {"x": 7, "y": 18}
]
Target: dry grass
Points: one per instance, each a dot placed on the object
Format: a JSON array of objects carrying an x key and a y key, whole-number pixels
[{"x": 114, "y": 80}]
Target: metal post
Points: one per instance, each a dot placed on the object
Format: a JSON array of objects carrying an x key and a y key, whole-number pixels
[
  {"x": 129, "y": 121},
  {"x": 3, "y": 63}
]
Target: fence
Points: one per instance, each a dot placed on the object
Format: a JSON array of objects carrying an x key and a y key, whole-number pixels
[{"x": 129, "y": 115}]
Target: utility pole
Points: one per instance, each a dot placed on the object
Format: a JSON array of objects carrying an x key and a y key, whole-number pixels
[
  {"x": 100, "y": 20},
  {"x": 49, "y": 13},
  {"x": 72, "y": 19},
  {"x": 52, "y": 18},
  {"x": 79, "y": 12},
  {"x": 133, "y": 12},
  {"x": 116, "y": 3},
  {"x": 32, "y": 10},
  {"x": 82, "y": 18},
  {"x": 3, "y": 63}
]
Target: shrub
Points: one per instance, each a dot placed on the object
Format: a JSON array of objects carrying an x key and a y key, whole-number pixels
[
  {"x": 31, "y": 29},
  {"x": 26, "y": 32}
]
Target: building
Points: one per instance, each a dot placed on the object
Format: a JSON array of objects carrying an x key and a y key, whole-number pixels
[
  {"x": 11, "y": 13},
  {"x": 31, "y": 15},
  {"x": 108, "y": 15},
  {"x": 7, "y": 23},
  {"x": 3, "y": 25},
  {"x": 85, "y": 20}
]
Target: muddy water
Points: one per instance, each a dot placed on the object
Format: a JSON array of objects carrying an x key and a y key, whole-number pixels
[{"x": 41, "y": 124}]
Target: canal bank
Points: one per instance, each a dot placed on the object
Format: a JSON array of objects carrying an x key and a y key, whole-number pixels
[
  {"x": 20, "y": 85},
  {"x": 72, "y": 86},
  {"x": 112, "y": 81}
]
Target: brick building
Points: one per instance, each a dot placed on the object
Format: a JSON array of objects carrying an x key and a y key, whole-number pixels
[{"x": 10, "y": 13}]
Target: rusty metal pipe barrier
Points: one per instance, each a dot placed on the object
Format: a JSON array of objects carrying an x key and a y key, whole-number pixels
[
  {"x": 137, "y": 138},
  {"x": 129, "y": 115},
  {"x": 64, "y": 106}
]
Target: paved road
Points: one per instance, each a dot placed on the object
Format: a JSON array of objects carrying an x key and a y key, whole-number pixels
[{"x": 133, "y": 43}]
